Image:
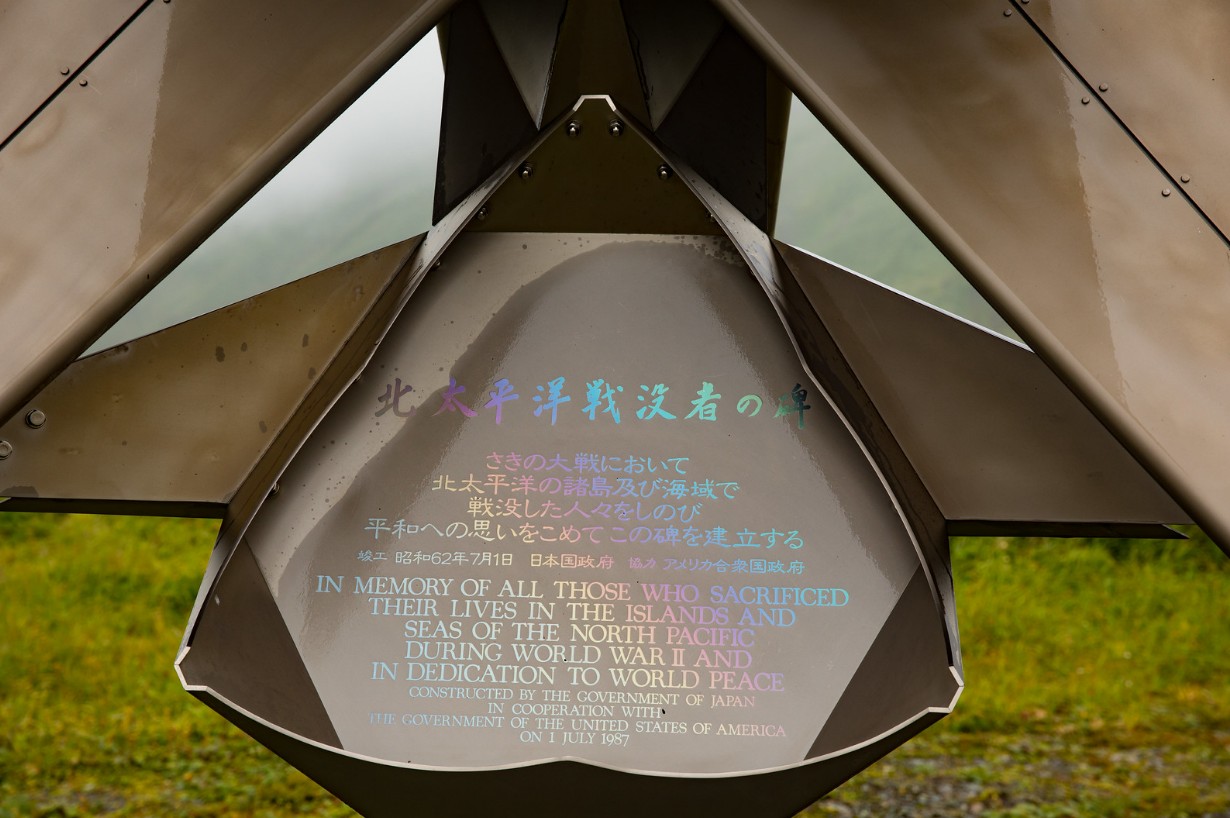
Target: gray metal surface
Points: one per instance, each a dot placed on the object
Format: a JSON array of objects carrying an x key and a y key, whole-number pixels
[
  {"x": 1045, "y": 203},
  {"x": 992, "y": 431},
  {"x": 1165, "y": 67},
  {"x": 179, "y": 418},
  {"x": 43, "y": 43},
  {"x": 167, "y": 132}
]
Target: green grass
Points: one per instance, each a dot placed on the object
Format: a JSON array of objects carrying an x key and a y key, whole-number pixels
[{"x": 1098, "y": 683}]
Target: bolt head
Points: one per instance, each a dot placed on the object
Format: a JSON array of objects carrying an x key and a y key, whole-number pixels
[
  {"x": 616, "y": 128},
  {"x": 65, "y": 71},
  {"x": 35, "y": 418},
  {"x": 526, "y": 170},
  {"x": 482, "y": 213},
  {"x": 1103, "y": 87},
  {"x": 573, "y": 129},
  {"x": 1185, "y": 178},
  {"x": 664, "y": 172},
  {"x": 1007, "y": 12},
  {"x": 1166, "y": 191},
  {"x": 1084, "y": 100},
  {"x": 84, "y": 83},
  {"x": 6, "y": 449}
]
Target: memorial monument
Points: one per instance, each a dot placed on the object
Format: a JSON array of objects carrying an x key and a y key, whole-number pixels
[{"x": 596, "y": 498}]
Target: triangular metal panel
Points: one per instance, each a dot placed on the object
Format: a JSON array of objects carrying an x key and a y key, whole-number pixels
[
  {"x": 177, "y": 419},
  {"x": 484, "y": 119},
  {"x": 87, "y": 228},
  {"x": 993, "y": 433},
  {"x": 593, "y": 56},
  {"x": 1065, "y": 241},
  {"x": 525, "y": 32},
  {"x": 244, "y": 652},
  {"x": 669, "y": 41}
]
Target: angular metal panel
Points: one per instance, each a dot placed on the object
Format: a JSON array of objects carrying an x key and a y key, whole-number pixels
[
  {"x": 484, "y": 120},
  {"x": 725, "y": 122},
  {"x": 170, "y": 129},
  {"x": 669, "y": 41},
  {"x": 993, "y": 433},
  {"x": 879, "y": 691},
  {"x": 245, "y": 653},
  {"x": 1043, "y": 202},
  {"x": 593, "y": 56},
  {"x": 1165, "y": 66},
  {"x": 595, "y": 181},
  {"x": 526, "y": 31},
  {"x": 181, "y": 416},
  {"x": 43, "y": 43}
]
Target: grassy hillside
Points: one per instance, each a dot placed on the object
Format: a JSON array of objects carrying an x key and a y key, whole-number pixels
[{"x": 1098, "y": 683}]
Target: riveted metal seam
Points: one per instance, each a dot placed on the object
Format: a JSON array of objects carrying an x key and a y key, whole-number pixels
[
  {"x": 73, "y": 75},
  {"x": 1100, "y": 95}
]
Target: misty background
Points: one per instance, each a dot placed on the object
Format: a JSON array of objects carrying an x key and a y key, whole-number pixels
[{"x": 367, "y": 181}]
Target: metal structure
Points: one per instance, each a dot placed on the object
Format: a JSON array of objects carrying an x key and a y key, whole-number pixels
[{"x": 604, "y": 210}]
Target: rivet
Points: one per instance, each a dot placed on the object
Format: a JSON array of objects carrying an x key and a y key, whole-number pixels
[
  {"x": 664, "y": 172},
  {"x": 482, "y": 213},
  {"x": 1084, "y": 100},
  {"x": 574, "y": 129},
  {"x": 616, "y": 128},
  {"x": 276, "y": 487},
  {"x": 526, "y": 170},
  {"x": 84, "y": 82},
  {"x": 1025, "y": 2},
  {"x": 1185, "y": 178},
  {"x": 35, "y": 418},
  {"x": 6, "y": 449},
  {"x": 1103, "y": 87},
  {"x": 1007, "y": 12},
  {"x": 1165, "y": 191},
  {"x": 65, "y": 71}
]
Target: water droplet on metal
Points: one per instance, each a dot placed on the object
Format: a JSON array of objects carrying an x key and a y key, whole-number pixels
[{"x": 35, "y": 418}]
